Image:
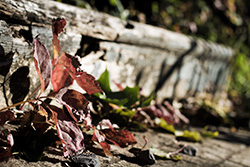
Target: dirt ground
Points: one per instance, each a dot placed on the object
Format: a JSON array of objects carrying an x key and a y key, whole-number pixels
[{"x": 227, "y": 150}]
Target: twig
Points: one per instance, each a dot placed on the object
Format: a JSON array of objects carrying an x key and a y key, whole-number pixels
[{"x": 17, "y": 104}]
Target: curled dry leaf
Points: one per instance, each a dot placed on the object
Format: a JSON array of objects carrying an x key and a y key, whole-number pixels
[
  {"x": 87, "y": 82},
  {"x": 75, "y": 103},
  {"x": 121, "y": 138},
  {"x": 101, "y": 140},
  {"x": 42, "y": 63},
  {"x": 57, "y": 27},
  {"x": 69, "y": 133},
  {"x": 68, "y": 69},
  {"x": 60, "y": 78}
]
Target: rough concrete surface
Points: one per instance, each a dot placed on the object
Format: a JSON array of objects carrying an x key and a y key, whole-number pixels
[{"x": 227, "y": 150}]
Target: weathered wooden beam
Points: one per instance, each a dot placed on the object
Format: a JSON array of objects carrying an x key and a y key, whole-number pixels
[
  {"x": 173, "y": 64},
  {"x": 101, "y": 26}
]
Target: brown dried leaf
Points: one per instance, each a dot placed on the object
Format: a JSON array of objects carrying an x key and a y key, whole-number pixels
[
  {"x": 42, "y": 63},
  {"x": 57, "y": 27}
]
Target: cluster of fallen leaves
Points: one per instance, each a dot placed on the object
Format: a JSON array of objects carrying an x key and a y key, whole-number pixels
[
  {"x": 97, "y": 115},
  {"x": 128, "y": 108},
  {"x": 63, "y": 109}
]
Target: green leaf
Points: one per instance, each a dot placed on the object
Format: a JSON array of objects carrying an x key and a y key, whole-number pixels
[
  {"x": 206, "y": 133},
  {"x": 145, "y": 101},
  {"x": 129, "y": 94},
  {"x": 123, "y": 112},
  {"x": 119, "y": 102},
  {"x": 188, "y": 135},
  {"x": 164, "y": 155},
  {"x": 126, "y": 97},
  {"x": 104, "y": 82},
  {"x": 164, "y": 125}
]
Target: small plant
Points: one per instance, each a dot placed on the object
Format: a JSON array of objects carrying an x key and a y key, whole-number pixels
[
  {"x": 69, "y": 112},
  {"x": 64, "y": 114}
]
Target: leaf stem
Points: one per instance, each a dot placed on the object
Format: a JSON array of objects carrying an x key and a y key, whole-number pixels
[
  {"x": 178, "y": 151},
  {"x": 16, "y": 104},
  {"x": 32, "y": 94}
]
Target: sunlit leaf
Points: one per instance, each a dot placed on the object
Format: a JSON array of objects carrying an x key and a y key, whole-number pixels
[
  {"x": 104, "y": 81},
  {"x": 67, "y": 69},
  {"x": 124, "y": 112},
  {"x": 188, "y": 135},
  {"x": 69, "y": 133},
  {"x": 160, "y": 111},
  {"x": 131, "y": 94},
  {"x": 164, "y": 155},
  {"x": 122, "y": 138},
  {"x": 72, "y": 136},
  {"x": 164, "y": 125},
  {"x": 126, "y": 97},
  {"x": 119, "y": 102},
  {"x": 87, "y": 82},
  {"x": 146, "y": 101},
  {"x": 75, "y": 104},
  {"x": 42, "y": 63},
  {"x": 60, "y": 78},
  {"x": 75, "y": 99},
  {"x": 101, "y": 140},
  {"x": 207, "y": 133},
  {"x": 57, "y": 27}
]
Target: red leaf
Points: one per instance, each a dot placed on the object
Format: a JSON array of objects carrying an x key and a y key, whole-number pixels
[
  {"x": 60, "y": 78},
  {"x": 69, "y": 133},
  {"x": 42, "y": 63},
  {"x": 101, "y": 139},
  {"x": 122, "y": 138},
  {"x": 75, "y": 99},
  {"x": 6, "y": 116},
  {"x": 57, "y": 27},
  {"x": 88, "y": 83},
  {"x": 67, "y": 63},
  {"x": 75, "y": 103}
]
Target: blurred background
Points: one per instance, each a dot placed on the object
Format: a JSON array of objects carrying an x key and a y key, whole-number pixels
[{"x": 221, "y": 21}]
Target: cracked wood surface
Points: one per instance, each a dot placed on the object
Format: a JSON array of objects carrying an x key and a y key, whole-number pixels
[
  {"x": 173, "y": 64},
  {"x": 103, "y": 26}
]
